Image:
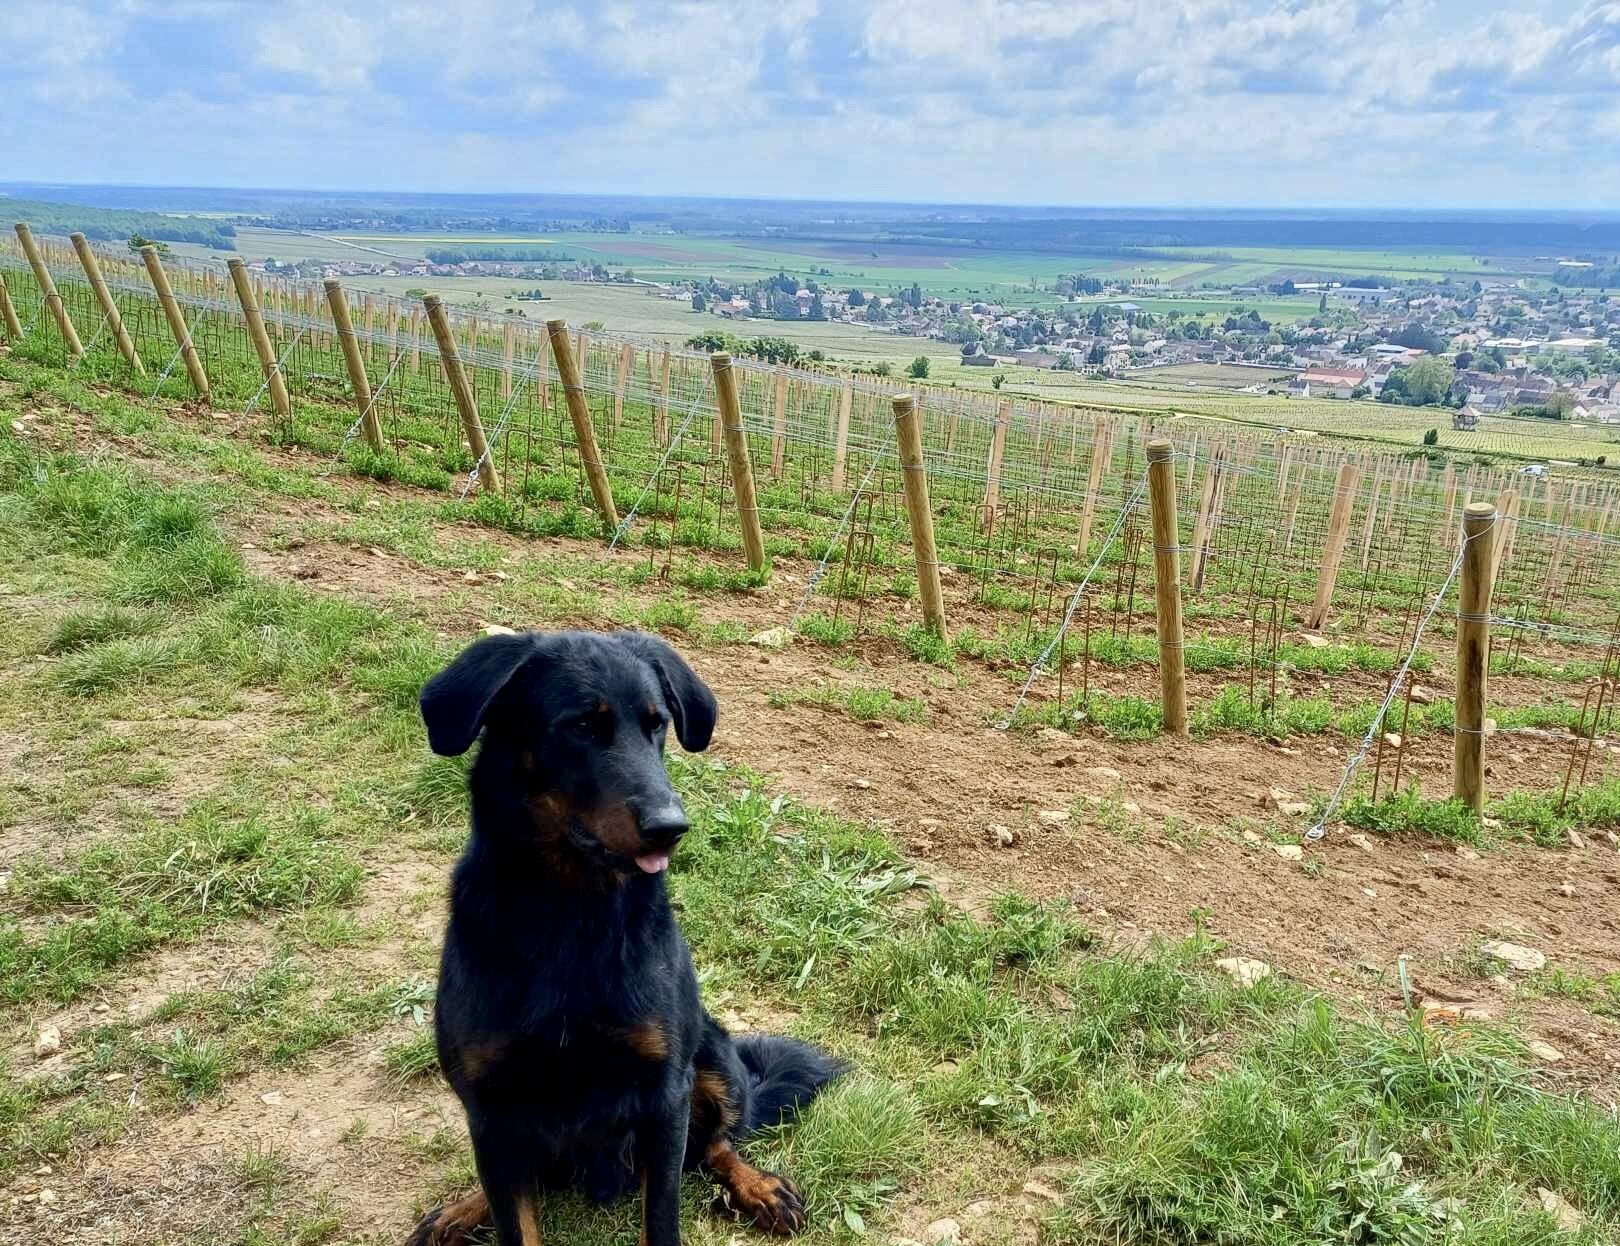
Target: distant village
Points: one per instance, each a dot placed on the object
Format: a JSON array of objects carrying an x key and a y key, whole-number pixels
[{"x": 1480, "y": 347}]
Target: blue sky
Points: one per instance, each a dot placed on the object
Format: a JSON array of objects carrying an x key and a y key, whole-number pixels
[{"x": 1334, "y": 103}]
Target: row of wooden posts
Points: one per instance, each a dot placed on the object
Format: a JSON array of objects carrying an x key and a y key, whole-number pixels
[
  {"x": 1481, "y": 555},
  {"x": 908, "y": 429},
  {"x": 1477, "y": 573},
  {"x": 1222, "y": 459}
]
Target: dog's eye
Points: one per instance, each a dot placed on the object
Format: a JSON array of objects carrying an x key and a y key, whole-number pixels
[{"x": 654, "y": 723}]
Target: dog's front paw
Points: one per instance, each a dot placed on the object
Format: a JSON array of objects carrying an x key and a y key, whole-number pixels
[
  {"x": 453, "y": 1224},
  {"x": 773, "y": 1203}
]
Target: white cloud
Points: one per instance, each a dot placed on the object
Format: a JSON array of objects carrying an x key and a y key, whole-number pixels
[
  {"x": 1326, "y": 101},
  {"x": 336, "y": 51}
]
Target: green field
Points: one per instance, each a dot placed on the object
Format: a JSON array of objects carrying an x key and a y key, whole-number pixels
[
  {"x": 948, "y": 272},
  {"x": 642, "y": 311},
  {"x": 1274, "y": 308},
  {"x": 1262, "y": 264},
  {"x": 1397, "y": 425},
  {"x": 1220, "y": 376},
  {"x": 639, "y": 310}
]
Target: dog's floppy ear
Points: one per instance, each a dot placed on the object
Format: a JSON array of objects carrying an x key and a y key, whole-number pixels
[
  {"x": 455, "y": 700},
  {"x": 690, "y": 700}
]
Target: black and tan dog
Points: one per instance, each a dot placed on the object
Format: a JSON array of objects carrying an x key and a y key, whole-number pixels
[{"x": 568, "y": 1016}]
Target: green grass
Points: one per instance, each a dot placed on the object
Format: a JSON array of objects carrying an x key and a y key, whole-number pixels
[
  {"x": 1231, "y": 710},
  {"x": 1287, "y": 1138},
  {"x": 1178, "y": 1108},
  {"x": 1329, "y": 1132},
  {"x": 410, "y": 1058},
  {"x": 1534, "y": 817},
  {"x": 926, "y": 645},
  {"x": 861, "y": 704},
  {"x": 825, "y": 630},
  {"x": 169, "y": 881},
  {"x": 194, "y": 1067},
  {"x": 99, "y": 625}
]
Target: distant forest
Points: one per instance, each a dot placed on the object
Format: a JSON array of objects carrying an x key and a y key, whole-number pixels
[
  {"x": 111, "y": 224},
  {"x": 1143, "y": 233},
  {"x": 538, "y": 253},
  {"x": 1469, "y": 233}
]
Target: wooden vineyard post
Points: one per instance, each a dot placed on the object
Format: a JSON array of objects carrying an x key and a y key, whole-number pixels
[
  {"x": 508, "y": 347},
  {"x": 368, "y": 322},
  {"x": 1206, "y": 513},
  {"x": 846, "y": 398},
  {"x": 579, "y": 412},
  {"x": 466, "y": 400},
  {"x": 47, "y": 288},
  {"x": 1102, "y": 450},
  {"x": 312, "y": 309},
  {"x": 1473, "y": 636},
  {"x": 8, "y": 313},
  {"x": 992, "y": 470},
  {"x": 416, "y": 340},
  {"x": 261, "y": 340},
  {"x": 370, "y": 425},
  {"x": 914, "y": 476},
  {"x": 1372, "y": 518},
  {"x": 396, "y": 334},
  {"x": 779, "y": 424},
  {"x": 273, "y": 298},
  {"x": 742, "y": 469},
  {"x": 109, "y": 305},
  {"x": 717, "y": 430},
  {"x": 1216, "y": 515},
  {"x": 661, "y": 412},
  {"x": 627, "y": 359},
  {"x": 1167, "y": 584},
  {"x": 542, "y": 372},
  {"x": 1507, "y": 511},
  {"x": 269, "y": 295},
  {"x": 177, "y": 322},
  {"x": 1344, "y": 499},
  {"x": 1293, "y": 510}
]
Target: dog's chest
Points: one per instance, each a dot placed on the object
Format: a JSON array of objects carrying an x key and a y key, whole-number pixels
[{"x": 582, "y": 1074}]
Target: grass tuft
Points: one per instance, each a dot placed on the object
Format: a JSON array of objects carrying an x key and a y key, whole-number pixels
[
  {"x": 97, "y": 625},
  {"x": 168, "y": 881}
]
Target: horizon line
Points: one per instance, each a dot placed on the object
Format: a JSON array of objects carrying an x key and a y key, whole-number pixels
[{"x": 1593, "y": 213}]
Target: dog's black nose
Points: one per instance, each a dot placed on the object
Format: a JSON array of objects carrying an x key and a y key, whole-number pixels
[{"x": 663, "y": 824}]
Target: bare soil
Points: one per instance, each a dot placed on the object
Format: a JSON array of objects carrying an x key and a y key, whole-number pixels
[
  {"x": 1160, "y": 830},
  {"x": 1337, "y": 920}
]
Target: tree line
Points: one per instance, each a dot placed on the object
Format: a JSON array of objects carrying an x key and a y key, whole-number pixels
[
  {"x": 524, "y": 253},
  {"x": 116, "y": 224}
]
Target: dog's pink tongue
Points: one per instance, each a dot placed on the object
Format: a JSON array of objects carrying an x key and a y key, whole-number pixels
[{"x": 654, "y": 862}]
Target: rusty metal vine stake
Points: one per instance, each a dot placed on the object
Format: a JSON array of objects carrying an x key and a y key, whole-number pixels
[
  {"x": 1585, "y": 738},
  {"x": 1085, "y": 662},
  {"x": 1400, "y": 749}
]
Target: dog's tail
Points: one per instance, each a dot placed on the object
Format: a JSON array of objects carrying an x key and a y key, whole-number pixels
[{"x": 784, "y": 1074}]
